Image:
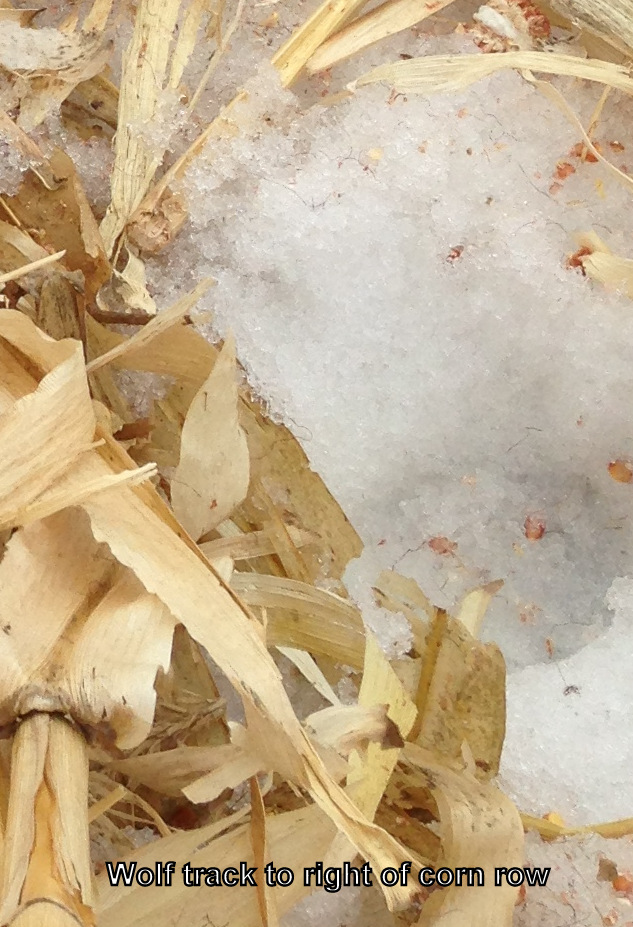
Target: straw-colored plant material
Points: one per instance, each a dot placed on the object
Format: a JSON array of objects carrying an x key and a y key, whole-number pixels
[
  {"x": 329, "y": 626},
  {"x": 21, "y": 142},
  {"x": 478, "y": 827},
  {"x": 549, "y": 830},
  {"x": 444, "y": 73},
  {"x": 213, "y": 472},
  {"x": 303, "y": 43},
  {"x": 140, "y": 534},
  {"x": 601, "y": 264},
  {"x": 144, "y": 78},
  {"x": 140, "y": 140},
  {"x": 387, "y": 19},
  {"x": 43, "y": 66},
  {"x": 97, "y": 18},
  {"x": 158, "y": 326},
  {"x": 460, "y": 694},
  {"x": 472, "y": 609},
  {"x": 370, "y": 774},
  {"x": 64, "y": 221},
  {"x": 29, "y": 268},
  {"x": 609, "y": 19},
  {"x": 294, "y": 839},
  {"x": 237, "y": 553},
  {"x": 240, "y": 546},
  {"x": 46, "y": 872}
]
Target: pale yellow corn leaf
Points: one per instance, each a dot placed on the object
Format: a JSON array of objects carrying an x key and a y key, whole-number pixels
[
  {"x": 64, "y": 221},
  {"x": 334, "y": 638},
  {"x": 402, "y": 594},
  {"x": 169, "y": 771},
  {"x": 348, "y": 727},
  {"x": 479, "y": 827},
  {"x": 387, "y": 19},
  {"x": 160, "y": 325},
  {"x": 329, "y": 625},
  {"x": 29, "y": 757},
  {"x": 223, "y": 566},
  {"x": 461, "y": 696},
  {"x": 259, "y": 841},
  {"x": 49, "y": 65},
  {"x": 179, "y": 352},
  {"x": 280, "y": 592},
  {"x": 310, "y": 670},
  {"x": 472, "y": 609},
  {"x": 127, "y": 291},
  {"x": 73, "y": 605},
  {"x": 551, "y": 829},
  {"x": 57, "y": 570},
  {"x": 145, "y": 64},
  {"x": 611, "y": 19},
  {"x": 143, "y": 536},
  {"x": 29, "y": 268},
  {"x": 66, "y": 492},
  {"x": 289, "y": 556},
  {"x": 47, "y": 809},
  {"x": 104, "y": 804},
  {"x": 370, "y": 773},
  {"x": 295, "y": 839},
  {"x": 66, "y": 771},
  {"x": 41, "y": 433},
  {"x": 141, "y": 540},
  {"x": 188, "y": 690},
  {"x": 441, "y": 73},
  {"x": 137, "y": 627},
  {"x": 213, "y": 472},
  {"x": 241, "y": 546},
  {"x": 187, "y": 39},
  {"x": 293, "y": 55},
  {"x": 277, "y": 459},
  {"x": 232, "y": 773},
  {"x": 461, "y": 689},
  {"x": 97, "y": 17}
]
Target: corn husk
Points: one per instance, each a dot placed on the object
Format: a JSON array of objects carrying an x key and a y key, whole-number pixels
[{"x": 138, "y": 585}]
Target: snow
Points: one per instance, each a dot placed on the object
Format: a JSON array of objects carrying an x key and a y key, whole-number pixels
[
  {"x": 394, "y": 271},
  {"x": 412, "y": 318},
  {"x": 555, "y": 711}
]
